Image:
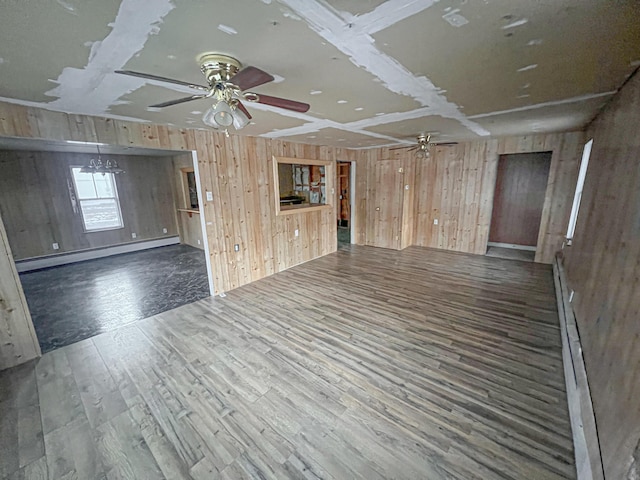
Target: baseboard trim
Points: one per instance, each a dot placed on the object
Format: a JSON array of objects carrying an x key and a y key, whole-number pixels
[
  {"x": 38, "y": 263},
  {"x": 586, "y": 444},
  {"x": 511, "y": 245}
]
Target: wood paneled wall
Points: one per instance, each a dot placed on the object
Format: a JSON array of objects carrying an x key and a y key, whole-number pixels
[
  {"x": 189, "y": 225},
  {"x": 456, "y": 187},
  {"x": 237, "y": 170},
  {"x": 36, "y": 207},
  {"x": 603, "y": 267},
  {"x": 18, "y": 342}
]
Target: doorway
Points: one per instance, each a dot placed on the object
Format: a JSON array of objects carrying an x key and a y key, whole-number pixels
[
  {"x": 344, "y": 212},
  {"x": 97, "y": 251},
  {"x": 521, "y": 185}
]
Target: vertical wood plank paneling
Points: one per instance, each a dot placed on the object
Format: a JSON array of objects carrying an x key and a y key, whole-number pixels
[
  {"x": 18, "y": 343},
  {"x": 37, "y": 210},
  {"x": 457, "y": 186},
  {"x": 603, "y": 268}
]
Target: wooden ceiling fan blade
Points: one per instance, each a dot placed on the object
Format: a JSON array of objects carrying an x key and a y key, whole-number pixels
[
  {"x": 161, "y": 79},
  {"x": 176, "y": 102},
  {"x": 250, "y": 77},
  {"x": 243, "y": 109},
  {"x": 283, "y": 103}
]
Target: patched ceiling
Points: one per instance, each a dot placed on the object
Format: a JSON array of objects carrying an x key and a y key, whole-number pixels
[{"x": 374, "y": 72}]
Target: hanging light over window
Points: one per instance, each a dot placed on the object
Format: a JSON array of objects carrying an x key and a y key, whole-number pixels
[{"x": 98, "y": 166}]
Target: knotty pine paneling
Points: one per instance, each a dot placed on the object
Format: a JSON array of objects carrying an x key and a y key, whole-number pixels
[
  {"x": 18, "y": 342},
  {"x": 37, "y": 212},
  {"x": 456, "y": 186},
  {"x": 237, "y": 170},
  {"x": 189, "y": 225},
  {"x": 603, "y": 268}
]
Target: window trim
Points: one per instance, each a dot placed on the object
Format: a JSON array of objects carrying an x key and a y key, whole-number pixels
[
  {"x": 577, "y": 198},
  {"x": 115, "y": 197},
  {"x": 329, "y": 174}
]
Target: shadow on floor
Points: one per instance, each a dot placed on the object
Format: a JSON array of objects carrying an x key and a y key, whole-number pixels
[{"x": 72, "y": 302}]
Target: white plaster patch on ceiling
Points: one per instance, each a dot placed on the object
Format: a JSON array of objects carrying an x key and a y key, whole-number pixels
[
  {"x": 517, "y": 23},
  {"x": 454, "y": 18},
  {"x": 67, "y": 6},
  {"x": 227, "y": 29},
  {"x": 92, "y": 90},
  {"x": 196, "y": 112},
  {"x": 360, "y": 49},
  {"x": 342, "y": 101},
  {"x": 359, "y": 109},
  {"x": 535, "y": 42},
  {"x": 315, "y": 92},
  {"x": 581, "y": 98},
  {"x": 388, "y": 13},
  {"x": 528, "y": 67}
]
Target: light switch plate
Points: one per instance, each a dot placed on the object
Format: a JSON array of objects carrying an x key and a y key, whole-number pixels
[
  {"x": 435, "y": 221},
  {"x": 209, "y": 196}
]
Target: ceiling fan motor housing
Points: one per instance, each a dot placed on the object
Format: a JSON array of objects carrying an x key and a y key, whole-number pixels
[{"x": 218, "y": 68}]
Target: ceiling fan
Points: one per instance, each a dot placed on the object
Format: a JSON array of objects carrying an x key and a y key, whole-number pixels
[
  {"x": 422, "y": 147},
  {"x": 227, "y": 85}
]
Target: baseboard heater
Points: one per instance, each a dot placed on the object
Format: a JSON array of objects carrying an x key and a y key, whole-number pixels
[
  {"x": 583, "y": 424},
  {"x": 37, "y": 263}
]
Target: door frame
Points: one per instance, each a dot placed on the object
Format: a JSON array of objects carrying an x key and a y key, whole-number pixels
[
  {"x": 352, "y": 198},
  {"x": 545, "y": 206}
]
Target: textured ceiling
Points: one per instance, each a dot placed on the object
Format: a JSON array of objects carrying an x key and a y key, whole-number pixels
[{"x": 374, "y": 72}]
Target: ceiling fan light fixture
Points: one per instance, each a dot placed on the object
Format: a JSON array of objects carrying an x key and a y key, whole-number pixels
[
  {"x": 240, "y": 120},
  {"x": 222, "y": 114}
]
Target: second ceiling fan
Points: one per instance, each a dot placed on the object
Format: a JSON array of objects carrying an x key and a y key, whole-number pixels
[
  {"x": 227, "y": 85},
  {"x": 422, "y": 147}
]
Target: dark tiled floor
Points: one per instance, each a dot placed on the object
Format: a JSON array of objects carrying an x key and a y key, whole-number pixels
[{"x": 73, "y": 302}]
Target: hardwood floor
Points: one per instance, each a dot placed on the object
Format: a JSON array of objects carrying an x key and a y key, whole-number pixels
[{"x": 367, "y": 363}]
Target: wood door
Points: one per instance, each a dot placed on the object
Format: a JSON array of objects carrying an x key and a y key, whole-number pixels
[
  {"x": 519, "y": 197},
  {"x": 384, "y": 204}
]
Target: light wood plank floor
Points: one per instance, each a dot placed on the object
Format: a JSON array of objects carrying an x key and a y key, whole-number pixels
[{"x": 364, "y": 364}]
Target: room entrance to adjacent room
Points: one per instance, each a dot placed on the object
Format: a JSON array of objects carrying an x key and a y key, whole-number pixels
[
  {"x": 102, "y": 235},
  {"x": 344, "y": 199},
  {"x": 521, "y": 185}
]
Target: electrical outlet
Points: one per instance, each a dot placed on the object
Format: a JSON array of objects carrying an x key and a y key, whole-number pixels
[
  {"x": 134, "y": 235},
  {"x": 435, "y": 221},
  {"x": 236, "y": 247},
  {"x": 198, "y": 242},
  {"x": 164, "y": 230},
  {"x": 55, "y": 246},
  {"x": 209, "y": 196},
  {"x": 296, "y": 232}
]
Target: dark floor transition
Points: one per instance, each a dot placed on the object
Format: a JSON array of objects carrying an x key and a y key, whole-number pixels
[{"x": 72, "y": 302}]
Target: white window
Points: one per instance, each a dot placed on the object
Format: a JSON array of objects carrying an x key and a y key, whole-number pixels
[
  {"x": 586, "y": 153},
  {"x": 98, "y": 199}
]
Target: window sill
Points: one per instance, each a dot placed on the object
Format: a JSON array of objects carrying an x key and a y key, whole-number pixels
[{"x": 291, "y": 209}]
